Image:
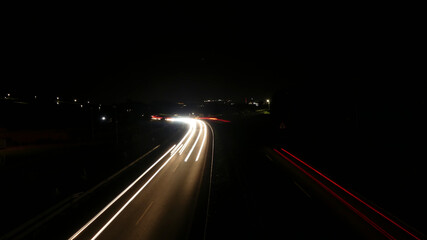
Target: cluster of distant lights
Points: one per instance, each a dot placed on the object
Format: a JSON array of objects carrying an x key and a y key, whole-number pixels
[
  {"x": 216, "y": 100},
  {"x": 251, "y": 102},
  {"x": 58, "y": 100}
]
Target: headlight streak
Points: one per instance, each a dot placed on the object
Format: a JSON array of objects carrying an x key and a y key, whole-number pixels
[
  {"x": 203, "y": 142},
  {"x": 177, "y": 148},
  {"x": 193, "y": 127},
  {"x": 121, "y": 194},
  {"x": 195, "y": 142},
  {"x": 131, "y": 199},
  {"x": 179, "y": 145}
]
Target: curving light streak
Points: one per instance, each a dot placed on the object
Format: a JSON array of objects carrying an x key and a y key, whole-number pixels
[
  {"x": 180, "y": 147},
  {"x": 173, "y": 150},
  {"x": 372, "y": 223},
  {"x": 131, "y": 199},
  {"x": 121, "y": 194},
  {"x": 193, "y": 127},
  {"x": 195, "y": 142},
  {"x": 203, "y": 142}
]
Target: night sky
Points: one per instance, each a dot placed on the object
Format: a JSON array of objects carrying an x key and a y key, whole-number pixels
[{"x": 174, "y": 56}]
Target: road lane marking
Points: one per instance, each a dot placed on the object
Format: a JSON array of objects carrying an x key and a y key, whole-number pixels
[
  {"x": 302, "y": 189},
  {"x": 145, "y": 212},
  {"x": 269, "y": 158},
  {"x": 177, "y": 165}
]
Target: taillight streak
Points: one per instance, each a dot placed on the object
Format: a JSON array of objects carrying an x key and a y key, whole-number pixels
[
  {"x": 349, "y": 193},
  {"x": 363, "y": 216}
]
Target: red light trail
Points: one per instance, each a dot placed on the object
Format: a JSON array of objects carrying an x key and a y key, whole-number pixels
[
  {"x": 215, "y": 119},
  {"x": 363, "y": 216}
]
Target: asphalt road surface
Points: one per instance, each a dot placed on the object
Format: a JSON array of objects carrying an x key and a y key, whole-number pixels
[
  {"x": 237, "y": 188},
  {"x": 161, "y": 203}
]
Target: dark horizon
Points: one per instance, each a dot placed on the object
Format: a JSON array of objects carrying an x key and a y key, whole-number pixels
[{"x": 113, "y": 65}]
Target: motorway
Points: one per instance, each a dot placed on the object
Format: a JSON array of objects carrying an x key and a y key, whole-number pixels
[
  {"x": 161, "y": 203},
  {"x": 242, "y": 189}
]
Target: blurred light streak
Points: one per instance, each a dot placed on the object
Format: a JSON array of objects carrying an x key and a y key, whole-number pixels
[
  {"x": 155, "y": 117},
  {"x": 173, "y": 150},
  {"x": 121, "y": 194},
  {"x": 133, "y": 197},
  {"x": 195, "y": 142},
  {"x": 185, "y": 120},
  {"x": 203, "y": 142},
  {"x": 345, "y": 190},
  {"x": 193, "y": 130},
  {"x": 214, "y": 119},
  {"x": 363, "y": 216}
]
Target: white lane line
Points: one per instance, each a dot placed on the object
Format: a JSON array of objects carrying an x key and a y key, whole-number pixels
[
  {"x": 203, "y": 142},
  {"x": 195, "y": 142},
  {"x": 175, "y": 168},
  {"x": 302, "y": 189},
  {"x": 145, "y": 212},
  {"x": 121, "y": 194},
  {"x": 131, "y": 199}
]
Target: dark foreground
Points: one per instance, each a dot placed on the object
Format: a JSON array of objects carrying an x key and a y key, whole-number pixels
[{"x": 253, "y": 194}]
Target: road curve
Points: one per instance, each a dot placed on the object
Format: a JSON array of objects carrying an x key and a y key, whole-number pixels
[{"x": 161, "y": 202}]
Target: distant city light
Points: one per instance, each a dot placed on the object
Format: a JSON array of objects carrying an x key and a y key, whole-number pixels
[
  {"x": 268, "y": 100},
  {"x": 88, "y": 102},
  {"x": 103, "y": 118},
  {"x": 8, "y": 94},
  {"x": 35, "y": 97},
  {"x": 57, "y": 98},
  {"x": 75, "y": 100},
  {"x": 81, "y": 105}
]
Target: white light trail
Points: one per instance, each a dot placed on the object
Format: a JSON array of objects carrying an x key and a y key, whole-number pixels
[
  {"x": 195, "y": 142},
  {"x": 173, "y": 151},
  {"x": 179, "y": 145},
  {"x": 203, "y": 142},
  {"x": 121, "y": 194},
  {"x": 193, "y": 127},
  {"x": 131, "y": 199}
]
